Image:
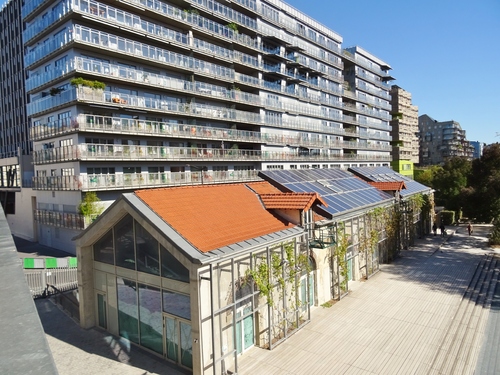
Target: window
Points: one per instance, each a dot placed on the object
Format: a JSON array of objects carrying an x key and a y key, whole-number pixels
[
  {"x": 103, "y": 249},
  {"x": 171, "y": 268},
  {"x": 148, "y": 259},
  {"x": 128, "y": 313},
  {"x": 67, "y": 171},
  {"x": 124, "y": 243},
  {"x": 150, "y": 318},
  {"x": 177, "y": 304}
]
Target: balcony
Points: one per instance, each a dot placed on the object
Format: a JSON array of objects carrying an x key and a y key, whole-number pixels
[{"x": 140, "y": 180}]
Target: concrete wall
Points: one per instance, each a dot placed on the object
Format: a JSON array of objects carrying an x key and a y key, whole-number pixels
[{"x": 22, "y": 223}]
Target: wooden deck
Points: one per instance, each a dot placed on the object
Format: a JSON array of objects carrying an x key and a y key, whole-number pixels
[{"x": 424, "y": 314}]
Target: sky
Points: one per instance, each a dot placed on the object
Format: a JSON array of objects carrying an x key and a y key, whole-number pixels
[{"x": 445, "y": 53}]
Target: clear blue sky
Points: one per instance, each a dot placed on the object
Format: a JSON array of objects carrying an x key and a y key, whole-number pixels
[{"x": 446, "y": 53}]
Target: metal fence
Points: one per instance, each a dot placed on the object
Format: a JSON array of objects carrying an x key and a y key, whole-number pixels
[{"x": 41, "y": 273}]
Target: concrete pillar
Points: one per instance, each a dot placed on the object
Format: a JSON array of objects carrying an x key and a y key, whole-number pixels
[{"x": 86, "y": 286}]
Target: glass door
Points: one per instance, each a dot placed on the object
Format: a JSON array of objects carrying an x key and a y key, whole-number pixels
[
  {"x": 178, "y": 341},
  {"x": 102, "y": 319},
  {"x": 244, "y": 328}
]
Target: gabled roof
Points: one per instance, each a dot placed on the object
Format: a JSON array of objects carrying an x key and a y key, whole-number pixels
[
  {"x": 389, "y": 185},
  {"x": 291, "y": 201},
  {"x": 386, "y": 174},
  {"x": 213, "y": 216},
  {"x": 342, "y": 191}
]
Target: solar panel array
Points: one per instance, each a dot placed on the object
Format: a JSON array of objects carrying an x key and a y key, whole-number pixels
[
  {"x": 341, "y": 190},
  {"x": 386, "y": 174}
]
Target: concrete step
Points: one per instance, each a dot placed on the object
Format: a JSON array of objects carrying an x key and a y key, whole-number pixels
[{"x": 460, "y": 342}]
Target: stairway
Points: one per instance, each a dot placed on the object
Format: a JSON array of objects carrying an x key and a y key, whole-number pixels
[{"x": 459, "y": 347}]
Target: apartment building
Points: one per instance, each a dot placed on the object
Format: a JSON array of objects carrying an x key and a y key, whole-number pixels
[
  {"x": 440, "y": 140},
  {"x": 144, "y": 93},
  {"x": 15, "y": 147},
  {"x": 404, "y": 133}
]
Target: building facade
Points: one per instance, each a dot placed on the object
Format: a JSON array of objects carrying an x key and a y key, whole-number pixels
[
  {"x": 143, "y": 93},
  {"x": 440, "y": 140},
  {"x": 404, "y": 124},
  {"x": 478, "y": 148},
  {"x": 16, "y": 169},
  {"x": 199, "y": 290}
]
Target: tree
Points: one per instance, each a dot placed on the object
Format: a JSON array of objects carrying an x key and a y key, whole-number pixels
[
  {"x": 451, "y": 181},
  {"x": 482, "y": 198},
  {"x": 90, "y": 207}
]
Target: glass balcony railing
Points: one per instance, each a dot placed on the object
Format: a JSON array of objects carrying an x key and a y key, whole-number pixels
[
  {"x": 372, "y": 79},
  {"x": 115, "y": 152},
  {"x": 113, "y": 42},
  {"x": 35, "y": 28},
  {"x": 373, "y": 90},
  {"x": 30, "y": 6},
  {"x": 52, "y": 45},
  {"x": 122, "y": 181},
  {"x": 143, "y": 127},
  {"x": 61, "y": 219},
  {"x": 226, "y": 12},
  {"x": 197, "y": 21}
]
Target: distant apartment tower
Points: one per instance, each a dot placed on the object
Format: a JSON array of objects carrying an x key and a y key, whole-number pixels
[
  {"x": 404, "y": 123},
  {"x": 15, "y": 146},
  {"x": 196, "y": 92},
  {"x": 478, "y": 148},
  {"x": 366, "y": 107},
  {"x": 440, "y": 140}
]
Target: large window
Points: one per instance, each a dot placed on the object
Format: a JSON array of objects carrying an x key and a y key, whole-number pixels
[
  {"x": 151, "y": 321},
  {"x": 177, "y": 304},
  {"x": 171, "y": 268},
  {"x": 147, "y": 251},
  {"x": 127, "y": 309},
  {"x": 103, "y": 249},
  {"x": 124, "y": 243}
]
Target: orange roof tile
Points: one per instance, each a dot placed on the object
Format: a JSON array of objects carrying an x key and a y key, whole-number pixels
[
  {"x": 388, "y": 185},
  {"x": 213, "y": 216},
  {"x": 263, "y": 187},
  {"x": 290, "y": 201}
]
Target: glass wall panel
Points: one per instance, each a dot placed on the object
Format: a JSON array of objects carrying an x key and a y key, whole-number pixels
[
  {"x": 177, "y": 304},
  {"x": 124, "y": 243},
  {"x": 171, "y": 268},
  {"x": 148, "y": 259},
  {"x": 103, "y": 249},
  {"x": 186, "y": 345},
  {"x": 128, "y": 317},
  {"x": 151, "y": 321},
  {"x": 101, "y": 311},
  {"x": 171, "y": 339}
]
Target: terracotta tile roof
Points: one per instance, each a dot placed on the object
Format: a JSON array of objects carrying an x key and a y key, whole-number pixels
[
  {"x": 291, "y": 201},
  {"x": 263, "y": 187},
  {"x": 389, "y": 185},
  {"x": 212, "y": 216}
]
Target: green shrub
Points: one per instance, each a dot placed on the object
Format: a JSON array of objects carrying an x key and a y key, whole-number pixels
[
  {"x": 79, "y": 81},
  {"x": 495, "y": 233},
  {"x": 447, "y": 217}
]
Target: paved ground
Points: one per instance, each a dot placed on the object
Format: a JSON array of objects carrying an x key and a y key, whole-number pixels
[
  {"x": 88, "y": 352},
  {"x": 401, "y": 321},
  {"x": 398, "y": 322}
]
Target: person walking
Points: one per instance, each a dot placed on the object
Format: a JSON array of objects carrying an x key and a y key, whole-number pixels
[
  {"x": 470, "y": 229},
  {"x": 443, "y": 230},
  {"x": 434, "y": 228}
]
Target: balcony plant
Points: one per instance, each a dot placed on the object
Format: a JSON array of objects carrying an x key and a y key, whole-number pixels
[
  {"x": 89, "y": 207},
  {"x": 55, "y": 91},
  {"x": 80, "y": 81},
  {"x": 233, "y": 26}
]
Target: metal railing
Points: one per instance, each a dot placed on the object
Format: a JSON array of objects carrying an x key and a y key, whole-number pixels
[{"x": 41, "y": 273}]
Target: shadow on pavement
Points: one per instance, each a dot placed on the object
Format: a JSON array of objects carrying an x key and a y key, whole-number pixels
[
  {"x": 27, "y": 249},
  {"x": 95, "y": 342},
  {"x": 443, "y": 264}
]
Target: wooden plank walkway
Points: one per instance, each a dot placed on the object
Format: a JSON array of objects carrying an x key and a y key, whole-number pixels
[{"x": 424, "y": 314}]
